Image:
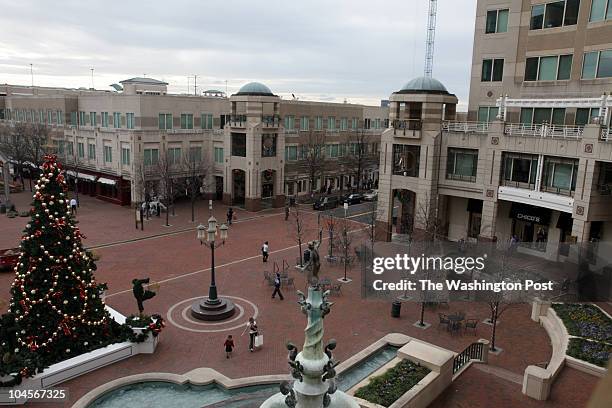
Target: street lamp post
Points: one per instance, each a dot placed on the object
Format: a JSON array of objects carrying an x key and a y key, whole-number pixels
[
  {"x": 213, "y": 307},
  {"x": 345, "y": 244}
]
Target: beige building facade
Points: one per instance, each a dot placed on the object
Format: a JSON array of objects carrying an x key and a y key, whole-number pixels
[{"x": 248, "y": 148}]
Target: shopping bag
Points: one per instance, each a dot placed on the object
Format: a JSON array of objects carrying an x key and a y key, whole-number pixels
[{"x": 259, "y": 340}]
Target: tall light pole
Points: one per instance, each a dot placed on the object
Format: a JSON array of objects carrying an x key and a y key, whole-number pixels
[
  {"x": 213, "y": 307},
  {"x": 32, "y": 74},
  {"x": 345, "y": 245}
]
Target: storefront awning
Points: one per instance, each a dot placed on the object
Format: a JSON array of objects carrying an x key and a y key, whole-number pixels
[
  {"x": 530, "y": 213},
  {"x": 104, "y": 180},
  {"x": 81, "y": 176}
]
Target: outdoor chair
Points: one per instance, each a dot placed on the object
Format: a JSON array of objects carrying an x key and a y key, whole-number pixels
[
  {"x": 471, "y": 324},
  {"x": 336, "y": 289},
  {"x": 288, "y": 281},
  {"x": 443, "y": 320},
  {"x": 268, "y": 277}
]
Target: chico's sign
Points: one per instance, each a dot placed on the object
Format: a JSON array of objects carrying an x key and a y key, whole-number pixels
[{"x": 527, "y": 217}]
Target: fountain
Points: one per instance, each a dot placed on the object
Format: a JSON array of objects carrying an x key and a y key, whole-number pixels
[{"x": 313, "y": 369}]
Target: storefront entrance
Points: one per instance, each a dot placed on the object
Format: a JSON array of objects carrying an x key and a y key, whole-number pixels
[
  {"x": 530, "y": 225},
  {"x": 239, "y": 187}
]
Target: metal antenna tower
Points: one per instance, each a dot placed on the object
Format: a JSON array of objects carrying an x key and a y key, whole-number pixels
[{"x": 431, "y": 35}]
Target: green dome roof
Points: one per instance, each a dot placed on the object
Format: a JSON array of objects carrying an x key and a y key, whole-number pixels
[
  {"x": 424, "y": 85},
  {"x": 255, "y": 88}
]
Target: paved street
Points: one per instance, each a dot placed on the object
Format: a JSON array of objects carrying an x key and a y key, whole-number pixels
[{"x": 173, "y": 257}]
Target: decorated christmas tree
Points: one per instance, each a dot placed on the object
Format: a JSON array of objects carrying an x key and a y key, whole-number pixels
[{"x": 55, "y": 312}]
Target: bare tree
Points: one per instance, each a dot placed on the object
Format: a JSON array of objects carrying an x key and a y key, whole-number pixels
[
  {"x": 196, "y": 172},
  {"x": 37, "y": 142},
  {"x": 357, "y": 156},
  {"x": 298, "y": 229},
  {"x": 14, "y": 145},
  {"x": 313, "y": 156},
  {"x": 166, "y": 170}
]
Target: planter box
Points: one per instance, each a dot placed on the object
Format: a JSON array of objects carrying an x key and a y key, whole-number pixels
[{"x": 79, "y": 365}]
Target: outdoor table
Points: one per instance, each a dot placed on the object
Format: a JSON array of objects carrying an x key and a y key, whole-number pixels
[{"x": 455, "y": 322}]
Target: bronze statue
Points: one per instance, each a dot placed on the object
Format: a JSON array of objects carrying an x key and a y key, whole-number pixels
[{"x": 313, "y": 265}]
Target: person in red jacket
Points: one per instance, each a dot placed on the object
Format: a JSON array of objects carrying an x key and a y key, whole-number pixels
[{"x": 229, "y": 346}]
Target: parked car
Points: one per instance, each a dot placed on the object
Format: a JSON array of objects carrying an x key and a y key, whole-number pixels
[
  {"x": 8, "y": 258},
  {"x": 371, "y": 195},
  {"x": 352, "y": 199},
  {"x": 325, "y": 203}
]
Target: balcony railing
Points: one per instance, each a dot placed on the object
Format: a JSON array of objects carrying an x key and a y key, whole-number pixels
[
  {"x": 606, "y": 135},
  {"x": 270, "y": 121},
  {"x": 465, "y": 127},
  {"x": 238, "y": 121},
  {"x": 404, "y": 125},
  {"x": 544, "y": 130}
]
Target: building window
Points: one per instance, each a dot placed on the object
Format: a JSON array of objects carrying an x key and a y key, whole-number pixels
[
  {"x": 601, "y": 10},
  {"x": 304, "y": 123},
  {"x": 497, "y": 21},
  {"x": 548, "y": 68},
  {"x": 60, "y": 117},
  {"x": 492, "y": 70},
  {"x": 554, "y": 14},
  {"x": 597, "y": 64},
  {"x": 537, "y": 116},
  {"x": 206, "y": 121},
  {"x": 585, "y": 115},
  {"x": 268, "y": 145},
  {"x": 290, "y": 122},
  {"x": 164, "y": 121},
  {"x": 519, "y": 170},
  {"x": 174, "y": 155},
  {"x": 406, "y": 159},
  {"x": 116, "y": 120},
  {"x": 151, "y": 157},
  {"x": 81, "y": 118},
  {"x": 559, "y": 175},
  {"x": 219, "y": 155},
  {"x": 125, "y": 156},
  {"x": 92, "y": 119},
  {"x": 129, "y": 120},
  {"x": 239, "y": 144},
  {"x": 354, "y": 123},
  {"x": 333, "y": 150},
  {"x": 318, "y": 123},
  {"x": 91, "y": 151},
  {"x": 81, "y": 150},
  {"x": 69, "y": 148},
  {"x": 186, "y": 121},
  {"x": 331, "y": 123},
  {"x": 343, "y": 123},
  {"x": 195, "y": 154},
  {"x": 487, "y": 113},
  {"x": 105, "y": 119},
  {"x": 462, "y": 164},
  {"x": 290, "y": 153},
  {"x": 108, "y": 154}
]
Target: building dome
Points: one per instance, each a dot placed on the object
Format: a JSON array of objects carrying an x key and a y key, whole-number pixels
[
  {"x": 255, "y": 88},
  {"x": 424, "y": 85}
]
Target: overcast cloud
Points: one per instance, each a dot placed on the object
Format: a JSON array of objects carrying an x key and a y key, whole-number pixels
[{"x": 318, "y": 50}]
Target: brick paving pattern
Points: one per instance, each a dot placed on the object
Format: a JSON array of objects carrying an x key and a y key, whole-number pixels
[{"x": 181, "y": 263}]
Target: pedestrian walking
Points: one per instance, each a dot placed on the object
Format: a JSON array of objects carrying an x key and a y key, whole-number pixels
[
  {"x": 229, "y": 346},
  {"x": 286, "y": 212},
  {"x": 265, "y": 251},
  {"x": 277, "y": 285},
  {"x": 73, "y": 206},
  {"x": 253, "y": 330},
  {"x": 230, "y": 215}
]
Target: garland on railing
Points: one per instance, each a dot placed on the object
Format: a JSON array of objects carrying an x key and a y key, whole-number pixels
[{"x": 149, "y": 324}]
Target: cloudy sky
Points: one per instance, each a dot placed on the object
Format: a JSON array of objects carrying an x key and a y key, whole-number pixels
[{"x": 329, "y": 50}]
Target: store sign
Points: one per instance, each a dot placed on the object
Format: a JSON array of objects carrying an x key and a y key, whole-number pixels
[{"x": 527, "y": 217}]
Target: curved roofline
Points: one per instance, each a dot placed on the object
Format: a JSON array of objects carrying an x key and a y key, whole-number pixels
[{"x": 422, "y": 91}]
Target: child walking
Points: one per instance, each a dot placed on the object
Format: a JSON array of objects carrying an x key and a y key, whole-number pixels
[{"x": 229, "y": 346}]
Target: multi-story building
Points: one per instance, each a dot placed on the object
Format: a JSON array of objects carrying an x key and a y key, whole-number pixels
[
  {"x": 548, "y": 186},
  {"x": 250, "y": 148},
  {"x": 552, "y": 59}
]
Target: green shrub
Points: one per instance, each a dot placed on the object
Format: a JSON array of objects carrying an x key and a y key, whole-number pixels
[
  {"x": 389, "y": 387},
  {"x": 594, "y": 352}
]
